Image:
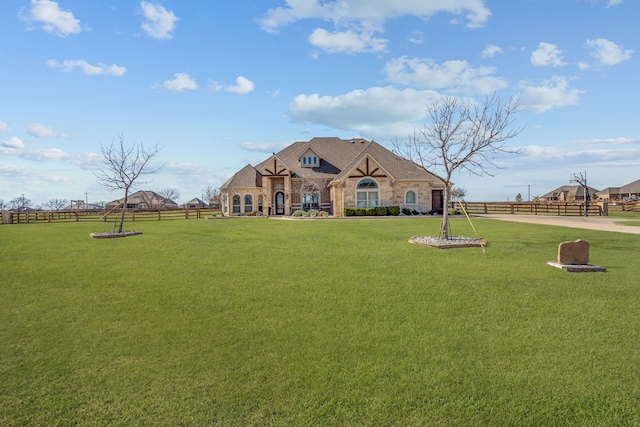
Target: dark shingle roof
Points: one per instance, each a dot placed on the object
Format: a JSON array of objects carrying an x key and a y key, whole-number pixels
[
  {"x": 247, "y": 177},
  {"x": 631, "y": 188},
  {"x": 340, "y": 156}
]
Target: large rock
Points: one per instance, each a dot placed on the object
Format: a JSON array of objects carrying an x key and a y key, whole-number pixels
[{"x": 573, "y": 253}]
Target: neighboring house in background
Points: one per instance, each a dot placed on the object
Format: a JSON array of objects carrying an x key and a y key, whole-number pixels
[
  {"x": 331, "y": 174},
  {"x": 144, "y": 200},
  {"x": 630, "y": 191},
  {"x": 568, "y": 193},
  {"x": 195, "y": 204},
  {"x": 609, "y": 194}
]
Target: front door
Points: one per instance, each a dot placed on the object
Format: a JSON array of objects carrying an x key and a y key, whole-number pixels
[
  {"x": 436, "y": 201},
  {"x": 279, "y": 203}
]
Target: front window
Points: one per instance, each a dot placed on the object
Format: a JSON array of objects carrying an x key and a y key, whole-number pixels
[
  {"x": 248, "y": 203},
  {"x": 236, "y": 204},
  {"x": 310, "y": 201},
  {"x": 410, "y": 198},
  {"x": 260, "y": 202},
  {"x": 367, "y": 194}
]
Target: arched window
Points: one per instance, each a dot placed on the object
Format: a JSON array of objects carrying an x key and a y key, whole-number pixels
[
  {"x": 248, "y": 203},
  {"x": 367, "y": 193},
  {"x": 236, "y": 204},
  {"x": 410, "y": 197}
]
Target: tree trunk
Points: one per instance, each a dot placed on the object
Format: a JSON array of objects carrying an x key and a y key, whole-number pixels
[
  {"x": 124, "y": 207},
  {"x": 444, "y": 229}
]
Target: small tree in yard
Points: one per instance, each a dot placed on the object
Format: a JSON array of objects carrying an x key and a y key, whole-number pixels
[
  {"x": 461, "y": 136},
  {"x": 124, "y": 166},
  {"x": 212, "y": 196},
  {"x": 518, "y": 198}
]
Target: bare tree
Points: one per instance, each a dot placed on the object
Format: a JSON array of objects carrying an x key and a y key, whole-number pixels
[
  {"x": 153, "y": 200},
  {"x": 57, "y": 204},
  {"x": 3, "y": 205},
  {"x": 169, "y": 193},
  {"x": 20, "y": 204},
  {"x": 461, "y": 136},
  {"x": 124, "y": 166},
  {"x": 212, "y": 196},
  {"x": 458, "y": 192}
]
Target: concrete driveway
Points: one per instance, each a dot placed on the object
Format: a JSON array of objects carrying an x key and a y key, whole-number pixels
[{"x": 601, "y": 223}]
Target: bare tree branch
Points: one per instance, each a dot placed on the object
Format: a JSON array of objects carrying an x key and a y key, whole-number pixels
[
  {"x": 461, "y": 137},
  {"x": 124, "y": 166}
]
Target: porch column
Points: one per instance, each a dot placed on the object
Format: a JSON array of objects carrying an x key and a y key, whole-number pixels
[{"x": 287, "y": 195}]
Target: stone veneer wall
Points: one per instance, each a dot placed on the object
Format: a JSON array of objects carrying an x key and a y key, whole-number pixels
[{"x": 391, "y": 193}]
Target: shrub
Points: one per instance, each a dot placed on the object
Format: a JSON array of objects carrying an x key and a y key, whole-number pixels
[
  {"x": 415, "y": 212},
  {"x": 393, "y": 210},
  {"x": 349, "y": 211},
  {"x": 381, "y": 210},
  {"x": 313, "y": 212},
  {"x": 361, "y": 211},
  {"x": 406, "y": 211},
  {"x": 323, "y": 213},
  {"x": 299, "y": 213}
]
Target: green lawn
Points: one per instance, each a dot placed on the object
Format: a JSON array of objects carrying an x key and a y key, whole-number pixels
[{"x": 315, "y": 322}]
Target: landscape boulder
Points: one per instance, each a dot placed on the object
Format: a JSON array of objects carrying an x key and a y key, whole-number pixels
[{"x": 573, "y": 253}]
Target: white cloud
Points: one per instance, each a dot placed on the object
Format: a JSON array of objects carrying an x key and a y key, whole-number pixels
[
  {"x": 607, "y": 52},
  {"x": 4, "y": 127},
  {"x": 242, "y": 87},
  {"x": 13, "y": 142},
  {"x": 455, "y": 75},
  {"x": 42, "y": 131},
  {"x": 53, "y": 19},
  {"x": 264, "y": 147},
  {"x": 610, "y": 3},
  {"x": 363, "y": 110},
  {"x": 158, "y": 22},
  {"x": 607, "y": 141},
  {"x": 349, "y": 42},
  {"x": 356, "y": 22},
  {"x": 553, "y": 93},
  {"x": 88, "y": 69},
  {"x": 373, "y": 11},
  {"x": 181, "y": 82},
  {"x": 491, "y": 50},
  {"x": 417, "y": 37},
  {"x": 86, "y": 160},
  {"x": 546, "y": 55}
]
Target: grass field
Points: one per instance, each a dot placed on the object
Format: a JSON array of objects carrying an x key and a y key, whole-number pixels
[{"x": 317, "y": 322}]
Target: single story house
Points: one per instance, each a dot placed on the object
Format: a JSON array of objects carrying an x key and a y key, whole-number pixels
[
  {"x": 569, "y": 193},
  {"x": 629, "y": 191},
  {"x": 331, "y": 174},
  {"x": 144, "y": 200},
  {"x": 195, "y": 204}
]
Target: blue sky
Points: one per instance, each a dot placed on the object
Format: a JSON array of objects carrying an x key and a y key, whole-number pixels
[{"x": 219, "y": 84}]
